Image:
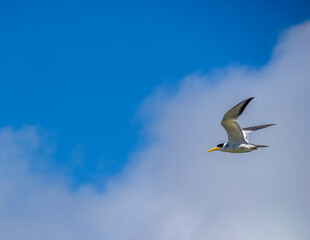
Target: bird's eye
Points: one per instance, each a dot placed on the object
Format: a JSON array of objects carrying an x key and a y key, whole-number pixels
[{"x": 220, "y": 145}]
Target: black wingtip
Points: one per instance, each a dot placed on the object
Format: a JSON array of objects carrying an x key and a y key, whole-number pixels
[{"x": 246, "y": 102}]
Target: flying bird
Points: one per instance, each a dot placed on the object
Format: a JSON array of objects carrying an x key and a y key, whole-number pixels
[{"x": 238, "y": 138}]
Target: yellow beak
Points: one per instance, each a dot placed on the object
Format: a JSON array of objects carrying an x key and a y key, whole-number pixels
[{"x": 213, "y": 149}]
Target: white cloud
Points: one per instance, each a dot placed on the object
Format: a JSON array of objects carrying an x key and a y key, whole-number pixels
[{"x": 172, "y": 189}]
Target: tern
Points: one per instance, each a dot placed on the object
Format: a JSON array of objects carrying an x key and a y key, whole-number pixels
[{"x": 238, "y": 138}]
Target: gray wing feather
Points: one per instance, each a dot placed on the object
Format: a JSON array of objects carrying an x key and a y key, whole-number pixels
[
  {"x": 247, "y": 130},
  {"x": 254, "y": 128},
  {"x": 231, "y": 125}
]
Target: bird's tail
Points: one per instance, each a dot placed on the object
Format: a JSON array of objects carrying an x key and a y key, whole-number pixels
[{"x": 255, "y": 146}]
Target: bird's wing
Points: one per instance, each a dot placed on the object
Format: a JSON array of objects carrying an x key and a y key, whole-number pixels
[
  {"x": 247, "y": 130},
  {"x": 231, "y": 125},
  {"x": 254, "y": 128},
  {"x": 246, "y": 135}
]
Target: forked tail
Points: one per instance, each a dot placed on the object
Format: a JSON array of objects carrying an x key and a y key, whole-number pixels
[{"x": 255, "y": 146}]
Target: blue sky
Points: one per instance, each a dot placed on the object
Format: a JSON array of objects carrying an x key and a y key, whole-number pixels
[
  {"x": 108, "y": 110},
  {"x": 81, "y": 69}
]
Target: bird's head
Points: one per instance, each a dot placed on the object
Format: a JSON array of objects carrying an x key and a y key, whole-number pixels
[{"x": 218, "y": 147}]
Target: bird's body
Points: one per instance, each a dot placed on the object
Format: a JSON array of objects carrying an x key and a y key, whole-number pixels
[
  {"x": 238, "y": 138},
  {"x": 240, "y": 147}
]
